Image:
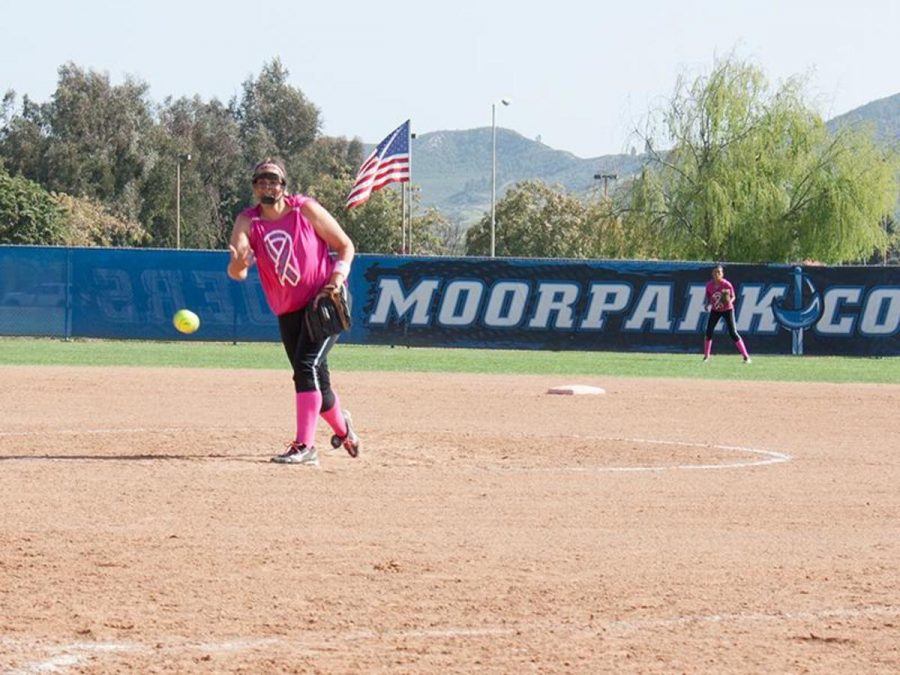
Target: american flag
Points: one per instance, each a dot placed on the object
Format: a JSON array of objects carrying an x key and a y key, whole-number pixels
[{"x": 388, "y": 163}]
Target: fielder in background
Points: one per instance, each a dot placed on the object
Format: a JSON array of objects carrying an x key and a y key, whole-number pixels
[
  {"x": 288, "y": 238},
  {"x": 720, "y": 303}
]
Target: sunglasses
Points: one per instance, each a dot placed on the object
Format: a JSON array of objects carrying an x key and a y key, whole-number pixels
[{"x": 266, "y": 181}]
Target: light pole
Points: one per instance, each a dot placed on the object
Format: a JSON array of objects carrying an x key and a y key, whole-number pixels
[
  {"x": 504, "y": 101},
  {"x": 605, "y": 177},
  {"x": 186, "y": 158}
]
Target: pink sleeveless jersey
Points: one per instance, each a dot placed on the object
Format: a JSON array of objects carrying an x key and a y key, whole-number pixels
[
  {"x": 714, "y": 295},
  {"x": 292, "y": 260}
]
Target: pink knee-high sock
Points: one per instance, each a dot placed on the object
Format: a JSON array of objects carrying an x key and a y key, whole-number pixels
[
  {"x": 335, "y": 417},
  {"x": 308, "y": 404},
  {"x": 707, "y": 348},
  {"x": 742, "y": 348}
]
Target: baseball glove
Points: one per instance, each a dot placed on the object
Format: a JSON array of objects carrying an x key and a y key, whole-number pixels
[{"x": 328, "y": 314}]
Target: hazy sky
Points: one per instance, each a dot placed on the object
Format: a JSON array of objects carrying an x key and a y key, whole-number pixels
[{"x": 580, "y": 74}]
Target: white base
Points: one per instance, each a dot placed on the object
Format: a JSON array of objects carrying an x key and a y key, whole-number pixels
[{"x": 574, "y": 389}]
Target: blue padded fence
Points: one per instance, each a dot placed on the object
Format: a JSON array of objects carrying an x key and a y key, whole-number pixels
[{"x": 458, "y": 302}]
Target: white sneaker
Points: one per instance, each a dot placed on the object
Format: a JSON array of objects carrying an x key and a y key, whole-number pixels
[
  {"x": 747, "y": 359},
  {"x": 298, "y": 453},
  {"x": 705, "y": 359},
  {"x": 350, "y": 441}
]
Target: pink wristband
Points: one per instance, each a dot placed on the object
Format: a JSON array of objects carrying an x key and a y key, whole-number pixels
[{"x": 342, "y": 267}]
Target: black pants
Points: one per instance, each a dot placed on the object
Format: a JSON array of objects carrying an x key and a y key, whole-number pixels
[
  {"x": 308, "y": 358},
  {"x": 713, "y": 321}
]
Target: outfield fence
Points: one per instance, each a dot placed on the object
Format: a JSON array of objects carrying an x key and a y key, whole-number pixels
[{"x": 459, "y": 302}]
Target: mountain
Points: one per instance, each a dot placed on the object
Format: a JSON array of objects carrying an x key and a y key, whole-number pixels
[
  {"x": 453, "y": 168},
  {"x": 883, "y": 115}
]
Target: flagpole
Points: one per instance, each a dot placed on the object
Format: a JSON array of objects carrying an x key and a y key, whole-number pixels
[
  {"x": 406, "y": 207},
  {"x": 409, "y": 189},
  {"x": 403, "y": 218}
]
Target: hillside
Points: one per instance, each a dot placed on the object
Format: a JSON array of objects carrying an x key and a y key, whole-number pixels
[
  {"x": 453, "y": 168},
  {"x": 883, "y": 115}
]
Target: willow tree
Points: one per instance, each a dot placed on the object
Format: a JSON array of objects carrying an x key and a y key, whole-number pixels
[{"x": 754, "y": 175}]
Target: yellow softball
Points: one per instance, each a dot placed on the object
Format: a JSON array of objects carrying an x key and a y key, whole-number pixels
[{"x": 185, "y": 321}]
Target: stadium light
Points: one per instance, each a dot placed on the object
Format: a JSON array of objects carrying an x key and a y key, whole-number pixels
[
  {"x": 504, "y": 101},
  {"x": 605, "y": 177}
]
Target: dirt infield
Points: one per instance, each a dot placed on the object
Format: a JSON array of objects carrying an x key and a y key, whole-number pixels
[{"x": 665, "y": 526}]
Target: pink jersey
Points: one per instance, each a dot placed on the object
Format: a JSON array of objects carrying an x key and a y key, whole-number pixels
[
  {"x": 292, "y": 259},
  {"x": 714, "y": 295}
]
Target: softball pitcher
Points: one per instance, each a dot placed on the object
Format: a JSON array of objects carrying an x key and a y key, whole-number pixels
[{"x": 288, "y": 238}]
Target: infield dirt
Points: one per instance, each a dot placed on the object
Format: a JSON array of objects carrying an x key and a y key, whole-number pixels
[{"x": 665, "y": 526}]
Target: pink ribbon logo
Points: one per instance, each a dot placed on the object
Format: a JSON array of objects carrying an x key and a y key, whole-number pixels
[{"x": 280, "y": 249}]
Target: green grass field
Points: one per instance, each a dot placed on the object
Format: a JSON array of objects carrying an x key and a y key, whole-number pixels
[{"x": 725, "y": 365}]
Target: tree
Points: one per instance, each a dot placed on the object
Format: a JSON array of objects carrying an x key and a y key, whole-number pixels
[
  {"x": 214, "y": 181},
  {"x": 753, "y": 176},
  {"x": 97, "y": 137},
  {"x": 275, "y": 118},
  {"x": 23, "y": 138},
  {"x": 890, "y": 252},
  {"x": 326, "y": 157},
  {"x": 218, "y": 174},
  {"x": 535, "y": 220},
  {"x": 373, "y": 227},
  {"x": 607, "y": 236},
  {"x": 28, "y": 214},
  {"x": 434, "y": 234},
  {"x": 89, "y": 223}
]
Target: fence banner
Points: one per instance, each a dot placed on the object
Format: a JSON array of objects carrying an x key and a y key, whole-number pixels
[
  {"x": 623, "y": 305},
  {"x": 460, "y": 302}
]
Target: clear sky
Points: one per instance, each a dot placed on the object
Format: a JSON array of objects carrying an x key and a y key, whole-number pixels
[{"x": 581, "y": 74}]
